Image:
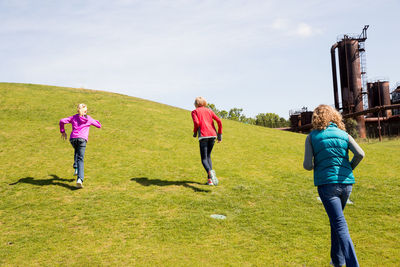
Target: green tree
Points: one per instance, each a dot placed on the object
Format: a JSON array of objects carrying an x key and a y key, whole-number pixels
[
  {"x": 235, "y": 114},
  {"x": 223, "y": 114},
  {"x": 283, "y": 122},
  {"x": 213, "y": 108},
  {"x": 351, "y": 127},
  {"x": 270, "y": 120}
]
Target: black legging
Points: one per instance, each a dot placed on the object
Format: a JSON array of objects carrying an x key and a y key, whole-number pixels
[{"x": 206, "y": 146}]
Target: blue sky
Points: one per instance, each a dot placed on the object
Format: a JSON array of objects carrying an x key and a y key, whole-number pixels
[{"x": 262, "y": 56}]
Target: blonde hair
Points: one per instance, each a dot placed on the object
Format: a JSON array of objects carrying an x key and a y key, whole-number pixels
[
  {"x": 325, "y": 114},
  {"x": 81, "y": 109},
  {"x": 200, "y": 102}
]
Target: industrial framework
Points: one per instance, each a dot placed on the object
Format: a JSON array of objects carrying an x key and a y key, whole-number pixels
[{"x": 368, "y": 102}]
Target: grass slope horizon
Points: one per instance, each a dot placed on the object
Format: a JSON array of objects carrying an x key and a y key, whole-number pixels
[{"x": 145, "y": 201}]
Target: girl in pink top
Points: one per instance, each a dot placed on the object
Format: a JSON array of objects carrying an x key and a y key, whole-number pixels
[
  {"x": 79, "y": 137},
  {"x": 203, "y": 120}
]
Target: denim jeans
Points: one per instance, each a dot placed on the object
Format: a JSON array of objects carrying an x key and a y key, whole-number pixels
[
  {"x": 79, "y": 145},
  {"x": 206, "y": 146},
  {"x": 334, "y": 198}
]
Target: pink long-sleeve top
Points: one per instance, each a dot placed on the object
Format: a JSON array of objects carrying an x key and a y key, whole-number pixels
[
  {"x": 203, "y": 122},
  {"x": 80, "y": 125}
]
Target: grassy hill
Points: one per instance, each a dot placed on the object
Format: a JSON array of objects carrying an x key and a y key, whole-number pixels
[{"x": 145, "y": 202}]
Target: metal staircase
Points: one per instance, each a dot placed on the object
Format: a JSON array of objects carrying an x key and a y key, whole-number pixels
[
  {"x": 364, "y": 76},
  {"x": 363, "y": 64}
]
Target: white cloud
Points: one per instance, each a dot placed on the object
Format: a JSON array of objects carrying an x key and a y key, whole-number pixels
[
  {"x": 280, "y": 24},
  {"x": 287, "y": 27},
  {"x": 304, "y": 30}
]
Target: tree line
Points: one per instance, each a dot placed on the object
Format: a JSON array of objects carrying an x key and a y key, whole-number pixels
[{"x": 270, "y": 120}]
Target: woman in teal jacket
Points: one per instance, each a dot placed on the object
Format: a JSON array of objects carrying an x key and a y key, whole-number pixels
[{"x": 327, "y": 152}]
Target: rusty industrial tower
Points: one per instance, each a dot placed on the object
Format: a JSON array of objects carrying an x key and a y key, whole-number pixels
[{"x": 353, "y": 76}]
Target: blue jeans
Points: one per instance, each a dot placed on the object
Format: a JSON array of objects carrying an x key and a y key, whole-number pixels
[
  {"x": 334, "y": 198},
  {"x": 79, "y": 145}
]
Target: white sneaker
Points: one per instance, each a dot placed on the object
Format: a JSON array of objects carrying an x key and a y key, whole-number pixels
[
  {"x": 79, "y": 183},
  {"x": 214, "y": 178}
]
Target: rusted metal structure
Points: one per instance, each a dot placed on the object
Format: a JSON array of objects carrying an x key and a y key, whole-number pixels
[
  {"x": 300, "y": 120},
  {"x": 378, "y": 95},
  {"x": 369, "y": 103},
  {"x": 352, "y": 70},
  {"x": 306, "y": 117},
  {"x": 380, "y": 125}
]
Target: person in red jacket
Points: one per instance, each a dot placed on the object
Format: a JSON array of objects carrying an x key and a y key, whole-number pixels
[{"x": 204, "y": 129}]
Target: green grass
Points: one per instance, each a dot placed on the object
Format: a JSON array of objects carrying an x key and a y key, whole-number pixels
[{"x": 145, "y": 202}]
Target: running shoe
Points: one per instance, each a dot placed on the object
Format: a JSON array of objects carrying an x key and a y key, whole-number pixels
[
  {"x": 209, "y": 182},
  {"x": 214, "y": 178},
  {"x": 76, "y": 172},
  {"x": 79, "y": 183}
]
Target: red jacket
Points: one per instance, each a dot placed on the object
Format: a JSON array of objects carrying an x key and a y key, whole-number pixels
[{"x": 203, "y": 122}]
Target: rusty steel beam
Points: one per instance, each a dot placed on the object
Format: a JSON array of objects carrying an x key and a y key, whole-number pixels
[
  {"x": 334, "y": 75},
  {"x": 371, "y": 110},
  {"x": 375, "y": 119}
]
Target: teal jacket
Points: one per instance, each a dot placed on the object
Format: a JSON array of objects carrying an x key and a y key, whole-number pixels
[{"x": 331, "y": 156}]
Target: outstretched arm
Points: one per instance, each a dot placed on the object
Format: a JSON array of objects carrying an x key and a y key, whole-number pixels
[
  {"x": 94, "y": 122},
  {"x": 357, "y": 151},
  {"x": 218, "y": 120},
  {"x": 62, "y": 129},
  {"x": 195, "y": 123}
]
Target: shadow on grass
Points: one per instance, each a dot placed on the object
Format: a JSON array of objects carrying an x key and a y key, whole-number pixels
[
  {"x": 147, "y": 182},
  {"x": 52, "y": 181}
]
